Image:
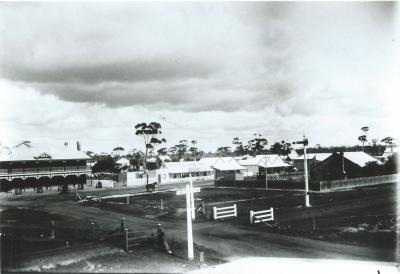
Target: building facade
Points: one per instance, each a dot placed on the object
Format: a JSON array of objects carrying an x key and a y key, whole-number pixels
[{"x": 27, "y": 165}]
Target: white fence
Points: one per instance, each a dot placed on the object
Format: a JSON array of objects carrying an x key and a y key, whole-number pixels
[
  {"x": 261, "y": 216},
  {"x": 224, "y": 212},
  {"x": 358, "y": 182},
  {"x": 104, "y": 183}
]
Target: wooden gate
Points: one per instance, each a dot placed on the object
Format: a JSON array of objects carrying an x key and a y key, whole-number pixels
[{"x": 224, "y": 212}]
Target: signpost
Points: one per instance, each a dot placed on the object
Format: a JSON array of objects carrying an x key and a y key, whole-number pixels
[
  {"x": 305, "y": 143},
  {"x": 188, "y": 191},
  {"x": 266, "y": 177},
  {"x": 192, "y": 197}
]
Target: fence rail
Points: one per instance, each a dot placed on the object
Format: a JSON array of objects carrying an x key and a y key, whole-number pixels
[
  {"x": 224, "y": 212},
  {"x": 357, "y": 182},
  {"x": 261, "y": 216}
]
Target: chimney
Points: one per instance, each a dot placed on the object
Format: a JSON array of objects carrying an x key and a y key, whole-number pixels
[
  {"x": 78, "y": 146},
  {"x": 66, "y": 144}
]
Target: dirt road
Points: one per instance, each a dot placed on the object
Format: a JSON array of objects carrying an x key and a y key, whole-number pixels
[{"x": 220, "y": 240}]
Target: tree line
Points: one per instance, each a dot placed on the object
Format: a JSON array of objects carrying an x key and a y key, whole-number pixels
[{"x": 153, "y": 141}]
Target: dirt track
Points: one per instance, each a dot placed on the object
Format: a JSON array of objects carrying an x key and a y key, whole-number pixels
[{"x": 230, "y": 238}]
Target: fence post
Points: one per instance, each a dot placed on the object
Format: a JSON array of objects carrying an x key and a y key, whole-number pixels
[
  {"x": 251, "y": 216},
  {"x": 123, "y": 224},
  {"x": 159, "y": 231},
  {"x": 127, "y": 200},
  {"x": 52, "y": 230},
  {"x": 126, "y": 247},
  {"x": 234, "y": 207},
  {"x": 313, "y": 222},
  {"x": 91, "y": 229},
  {"x": 201, "y": 258},
  {"x": 272, "y": 213},
  {"x": 214, "y": 213}
]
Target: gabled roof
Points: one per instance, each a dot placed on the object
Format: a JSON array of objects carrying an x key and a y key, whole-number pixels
[
  {"x": 222, "y": 163},
  {"x": 321, "y": 156},
  {"x": 390, "y": 150},
  {"x": 271, "y": 161},
  {"x": 36, "y": 152},
  {"x": 250, "y": 161},
  {"x": 123, "y": 161},
  {"x": 185, "y": 167},
  {"x": 164, "y": 158},
  {"x": 360, "y": 158},
  {"x": 310, "y": 156}
]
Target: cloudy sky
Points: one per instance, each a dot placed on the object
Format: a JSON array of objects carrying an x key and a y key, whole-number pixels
[{"x": 205, "y": 71}]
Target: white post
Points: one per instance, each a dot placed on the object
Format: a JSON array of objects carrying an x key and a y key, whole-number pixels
[
  {"x": 251, "y": 216},
  {"x": 266, "y": 175},
  {"x": 234, "y": 207},
  {"x": 306, "y": 174},
  {"x": 214, "y": 213},
  {"x": 191, "y": 197},
  {"x": 272, "y": 213},
  {"x": 189, "y": 225}
]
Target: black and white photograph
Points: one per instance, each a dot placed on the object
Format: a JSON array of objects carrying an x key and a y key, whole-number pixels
[{"x": 199, "y": 137}]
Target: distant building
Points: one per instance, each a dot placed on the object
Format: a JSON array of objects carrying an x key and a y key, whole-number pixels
[
  {"x": 255, "y": 166},
  {"x": 226, "y": 168},
  {"x": 173, "y": 172},
  {"x": 342, "y": 165},
  {"x": 164, "y": 158},
  {"x": 33, "y": 165},
  {"x": 122, "y": 163},
  {"x": 170, "y": 172},
  {"x": 389, "y": 151},
  {"x": 298, "y": 162}
]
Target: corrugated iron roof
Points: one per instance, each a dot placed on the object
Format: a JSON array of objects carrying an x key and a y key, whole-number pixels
[
  {"x": 360, "y": 158},
  {"x": 185, "y": 167},
  {"x": 37, "y": 152},
  {"x": 222, "y": 163}
]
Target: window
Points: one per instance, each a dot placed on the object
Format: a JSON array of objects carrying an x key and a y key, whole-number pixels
[
  {"x": 175, "y": 175},
  {"x": 185, "y": 175}
]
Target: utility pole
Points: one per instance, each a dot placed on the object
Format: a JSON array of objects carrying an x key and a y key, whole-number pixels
[
  {"x": 305, "y": 143},
  {"x": 266, "y": 177},
  {"x": 188, "y": 191},
  {"x": 191, "y": 196},
  {"x": 189, "y": 224}
]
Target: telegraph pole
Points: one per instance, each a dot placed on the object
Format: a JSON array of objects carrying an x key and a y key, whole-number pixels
[
  {"x": 305, "y": 143},
  {"x": 266, "y": 177},
  {"x": 191, "y": 196},
  {"x": 188, "y": 191},
  {"x": 189, "y": 224}
]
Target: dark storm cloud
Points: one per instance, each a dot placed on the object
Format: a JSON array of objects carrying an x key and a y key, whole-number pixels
[
  {"x": 187, "y": 96},
  {"x": 198, "y": 57},
  {"x": 128, "y": 71}
]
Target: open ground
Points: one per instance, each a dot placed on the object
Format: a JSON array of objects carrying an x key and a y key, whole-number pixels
[{"x": 354, "y": 224}]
